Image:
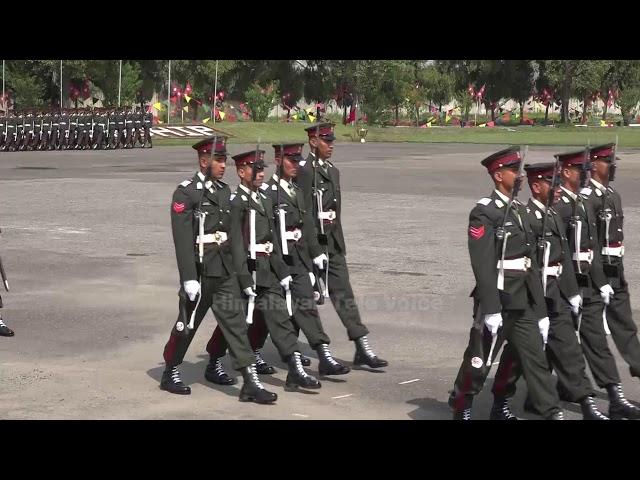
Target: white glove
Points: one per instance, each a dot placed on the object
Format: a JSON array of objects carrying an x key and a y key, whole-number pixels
[
  {"x": 319, "y": 261},
  {"x": 192, "y": 288},
  {"x": 249, "y": 292},
  {"x": 606, "y": 292},
  {"x": 313, "y": 278},
  {"x": 575, "y": 302},
  {"x": 285, "y": 283},
  {"x": 493, "y": 322},
  {"x": 543, "y": 326}
]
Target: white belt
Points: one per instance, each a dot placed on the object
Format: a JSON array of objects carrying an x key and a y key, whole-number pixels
[
  {"x": 327, "y": 215},
  {"x": 215, "y": 237},
  {"x": 520, "y": 264},
  {"x": 264, "y": 247},
  {"x": 293, "y": 235},
  {"x": 613, "y": 251},
  {"x": 584, "y": 256},
  {"x": 553, "y": 271}
]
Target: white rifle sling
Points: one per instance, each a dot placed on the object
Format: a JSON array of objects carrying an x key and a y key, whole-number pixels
[
  {"x": 545, "y": 265},
  {"x": 577, "y": 237},
  {"x": 283, "y": 239},
  {"x": 252, "y": 255},
  {"x": 501, "y": 268}
]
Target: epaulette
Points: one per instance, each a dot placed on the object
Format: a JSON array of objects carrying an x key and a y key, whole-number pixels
[
  {"x": 484, "y": 201},
  {"x": 186, "y": 183}
]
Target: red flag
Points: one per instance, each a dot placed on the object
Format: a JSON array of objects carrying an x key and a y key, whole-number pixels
[
  {"x": 188, "y": 89},
  {"x": 352, "y": 115}
]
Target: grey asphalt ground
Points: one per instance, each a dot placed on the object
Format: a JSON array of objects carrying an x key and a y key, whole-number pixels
[{"x": 87, "y": 247}]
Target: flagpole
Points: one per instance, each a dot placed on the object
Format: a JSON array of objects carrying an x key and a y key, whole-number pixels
[
  {"x": 61, "y": 84},
  {"x": 119, "y": 82},
  {"x": 4, "y": 101},
  {"x": 169, "y": 97},
  {"x": 215, "y": 94}
]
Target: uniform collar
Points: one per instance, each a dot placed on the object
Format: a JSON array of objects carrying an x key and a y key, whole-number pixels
[
  {"x": 599, "y": 186},
  {"x": 253, "y": 195},
  {"x": 502, "y": 196},
  {"x": 320, "y": 161},
  {"x": 570, "y": 193},
  {"x": 539, "y": 204}
]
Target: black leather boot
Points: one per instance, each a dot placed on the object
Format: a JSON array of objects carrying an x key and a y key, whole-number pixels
[
  {"x": 327, "y": 365},
  {"x": 4, "y": 330},
  {"x": 172, "y": 383},
  {"x": 501, "y": 411},
  {"x": 461, "y": 412},
  {"x": 619, "y": 407},
  {"x": 262, "y": 367},
  {"x": 590, "y": 410},
  {"x": 252, "y": 390},
  {"x": 297, "y": 377},
  {"x": 215, "y": 373},
  {"x": 365, "y": 356}
]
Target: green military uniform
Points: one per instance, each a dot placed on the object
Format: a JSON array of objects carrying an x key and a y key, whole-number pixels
[{"x": 520, "y": 301}]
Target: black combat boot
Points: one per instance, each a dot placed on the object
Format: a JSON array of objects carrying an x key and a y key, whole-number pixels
[
  {"x": 500, "y": 410},
  {"x": 297, "y": 377},
  {"x": 556, "y": 416},
  {"x": 172, "y": 383},
  {"x": 252, "y": 390},
  {"x": 590, "y": 410},
  {"x": 327, "y": 365},
  {"x": 619, "y": 407},
  {"x": 4, "y": 330},
  {"x": 461, "y": 412},
  {"x": 262, "y": 367},
  {"x": 215, "y": 373},
  {"x": 365, "y": 356}
]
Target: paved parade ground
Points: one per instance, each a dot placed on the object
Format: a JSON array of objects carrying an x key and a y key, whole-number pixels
[{"x": 86, "y": 243}]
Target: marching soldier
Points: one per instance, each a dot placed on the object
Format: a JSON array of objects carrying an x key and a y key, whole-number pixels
[
  {"x": 112, "y": 140},
  {"x": 319, "y": 178},
  {"x": 508, "y": 294},
  {"x": 137, "y": 124},
  {"x": 63, "y": 130},
  {"x": 100, "y": 129},
  {"x": 254, "y": 211},
  {"x": 580, "y": 223},
  {"x": 607, "y": 205},
  {"x": 12, "y": 132},
  {"x": 45, "y": 135},
  {"x": 122, "y": 132},
  {"x": 129, "y": 128},
  {"x": 147, "y": 121},
  {"x": 561, "y": 291},
  {"x": 73, "y": 130},
  {"x": 207, "y": 240},
  {"x": 302, "y": 246}
]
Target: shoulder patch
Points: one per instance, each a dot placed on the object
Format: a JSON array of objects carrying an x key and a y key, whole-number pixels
[
  {"x": 185, "y": 183},
  {"x": 565, "y": 199},
  {"x": 264, "y": 186},
  {"x": 538, "y": 214},
  {"x": 302, "y": 163},
  {"x": 484, "y": 201},
  {"x": 499, "y": 203}
]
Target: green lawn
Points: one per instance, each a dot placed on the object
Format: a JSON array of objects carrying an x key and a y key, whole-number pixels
[{"x": 271, "y": 132}]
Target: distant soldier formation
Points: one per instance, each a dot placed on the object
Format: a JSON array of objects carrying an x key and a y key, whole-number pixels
[{"x": 76, "y": 129}]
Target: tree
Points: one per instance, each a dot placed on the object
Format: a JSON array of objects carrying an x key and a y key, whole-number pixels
[
  {"x": 519, "y": 73},
  {"x": 261, "y": 100}
]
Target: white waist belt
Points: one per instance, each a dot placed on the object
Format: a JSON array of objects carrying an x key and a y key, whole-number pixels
[
  {"x": 613, "y": 251},
  {"x": 293, "y": 235},
  {"x": 584, "y": 257},
  {"x": 553, "y": 271},
  {"x": 264, "y": 247},
  {"x": 327, "y": 215},
  {"x": 520, "y": 264},
  {"x": 215, "y": 237}
]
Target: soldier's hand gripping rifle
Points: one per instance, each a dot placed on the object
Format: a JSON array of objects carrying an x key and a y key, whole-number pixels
[
  {"x": 323, "y": 240},
  {"x": 251, "y": 263},
  {"x": 3, "y": 275},
  {"x": 201, "y": 216},
  {"x": 282, "y": 224},
  {"x": 576, "y": 225},
  {"x": 503, "y": 236}
]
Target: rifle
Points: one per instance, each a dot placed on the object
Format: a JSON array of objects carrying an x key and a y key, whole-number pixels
[
  {"x": 322, "y": 236},
  {"x": 605, "y": 216},
  {"x": 543, "y": 244},
  {"x": 282, "y": 224},
  {"x": 251, "y": 263},
  {"x": 576, "y": 224},
  {"x": 503, "y": 236}
]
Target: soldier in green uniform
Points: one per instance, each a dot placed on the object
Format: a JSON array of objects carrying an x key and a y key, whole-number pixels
[
  {"x": 207, "y": 240},
  {"x": 301, "y": 246},
  {"x": 63, "y": 130},
  {"x": 508, "y": 300},
  {"x": 561, "y": 291},
  {"x": 71, "y": 143},
  {"x": 147, "y": 123},
  {"x": 264, "y": 276},
  {"x": 580, "y": 222},
  {"x": 318, "y": 178}
]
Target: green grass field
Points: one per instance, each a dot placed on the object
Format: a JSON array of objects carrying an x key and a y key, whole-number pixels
[{"x": 270, "y": 132}]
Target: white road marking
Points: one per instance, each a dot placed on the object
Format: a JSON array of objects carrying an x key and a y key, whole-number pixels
[
  {"x": 342, "y": 396},
  {"x": 409, "y": 381}
]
